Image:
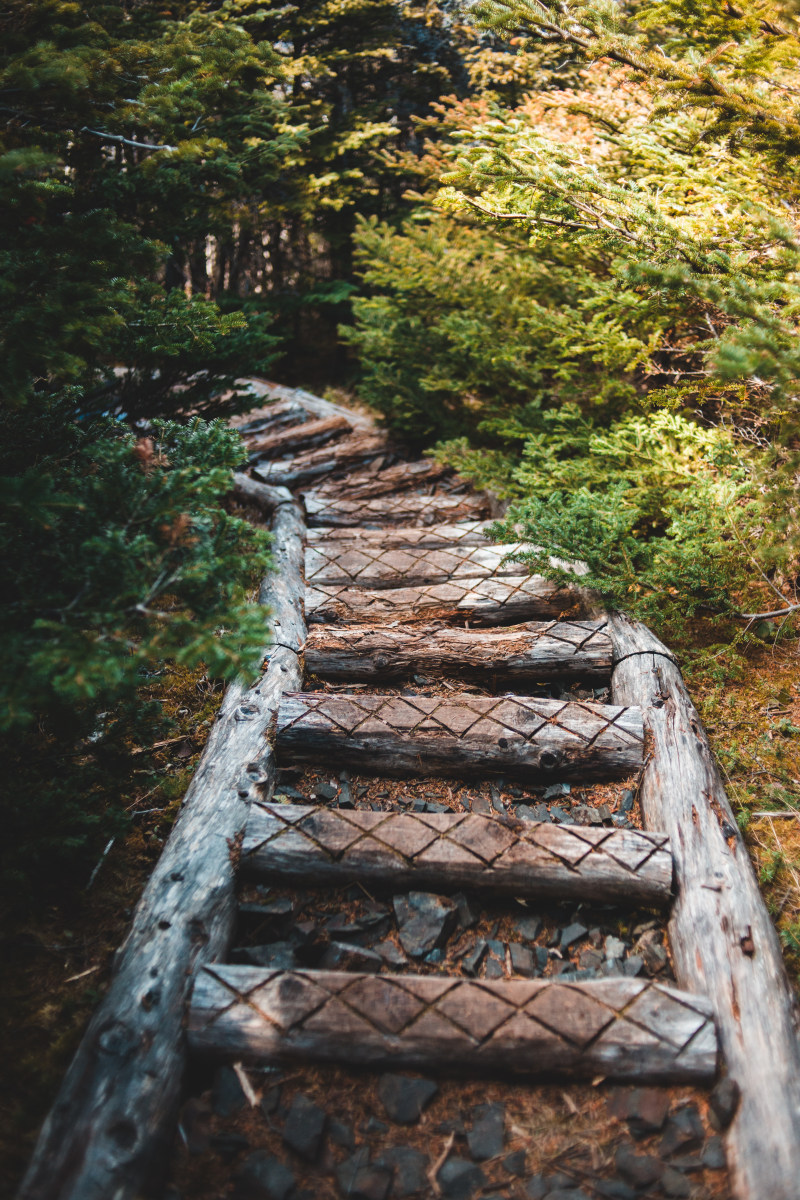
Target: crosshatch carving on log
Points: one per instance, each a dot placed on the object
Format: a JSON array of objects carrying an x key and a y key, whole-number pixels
[
  {"x": 404, "y": 510},
  {"x": 495, "y": 601},
  {"x": 532, "y": 652},
  {"x": 462, "y": 533},
  {"x": 617, "y": 1028},
  {"x": 394, "y": 566},
  {"x": 442, "y": 735},
  {"x": 457, "y": 850}
]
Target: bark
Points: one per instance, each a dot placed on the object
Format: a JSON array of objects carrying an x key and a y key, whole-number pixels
[
  {"x": 529, "y": 653},
  {"x": 724, "y": 944},
  {"x": 461, "y": 735},
  {"x": 465, "y": 533},
  {"x": 325, "y": 461},
  {"x": 113, "y": 1119},
  {"x": 450, "y": 851},
  {"x": 409, "y": 509},
  {"x": 400, "y": 478},
  {"x": 615, "y": 1028},
  {"x": 298, "y": 437}
]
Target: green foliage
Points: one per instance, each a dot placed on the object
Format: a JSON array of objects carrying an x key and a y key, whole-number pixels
[{"x": 116, "y": 554}]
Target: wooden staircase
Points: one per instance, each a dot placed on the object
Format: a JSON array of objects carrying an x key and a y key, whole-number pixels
[{"x": 400, "y": 585}]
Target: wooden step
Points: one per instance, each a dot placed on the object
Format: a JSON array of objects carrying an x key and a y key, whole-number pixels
[
  {"x": 528, "y": 653},
  {"x": 407, "y": 566},
  {"x": 461, "y": 735},
  {"x": 613, "y": 1028},
  {"x": 367, "y": 484},
  {"x": 299, "y": 437},
  {"x": 451, "y": 851},
  {"x": 409, "y": 509},
  {"x": 506, "y": 600},
  {"x": 324, "y": 461},
  {"x": 270, "y": 417},
  {"x": 463, "y": 533}
]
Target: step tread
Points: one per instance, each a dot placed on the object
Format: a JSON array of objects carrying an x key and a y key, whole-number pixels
[{"x": 617, "y": 1028}]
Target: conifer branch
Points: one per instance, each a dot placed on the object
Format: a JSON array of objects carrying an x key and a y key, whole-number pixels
[{"x": 117, "y": 137}]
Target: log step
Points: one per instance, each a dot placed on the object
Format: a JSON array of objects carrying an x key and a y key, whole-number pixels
[
  {"x": 271, "y": 417},
  {"x": 457, "y": 736},
  {"x": 299, "y": 437},
  {"x": 529, "y": 653},
  {"x": 409, "y": 509},
  {"x": 465, "y": 533},
  {"x": 450, "y": 851},
  {"x": 615, "y": 1028},
  {"x": 323, "y": 461},
  {"x": 412, "y": 566},
  {"x": 367, "y": 484},
  {"x": 504, "y": 600}
]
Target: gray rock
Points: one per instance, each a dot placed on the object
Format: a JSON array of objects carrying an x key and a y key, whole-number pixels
[
  {"x": 559, "y": 814},
  {"x": 575, "y": 1193},
  {"x": 358, "y": 1180},
  {"x": 573, "y": 933},
  {"x": 404, "y": 1098},
  {"x": 289, "y": 792},
  {"x": 585, "y": 814},
  {"x": 264, "y": 1177},
  {"x": 345, "y": 795},
  {"x": 713, "y": 1155},
  {"x": 326, "y": 791},
  {"x": 541, "y": 956},
  {"x": 430, "y": 921},
  {"x": 372, "y": 1126},
  {"x": 523, "y": 961},
  {"x": 228, "y": 1145},
  {"x": 627, "y": 801},
  {"x": 480, "y": 805},
  {"x": 675, "y": 1184},
  {"x": 342, "y": 956},
  {"x": 614, "y": 1189},
  {"x": 434, "y": 807},
  {"x": 723, "y": 1102},
  {"x": 633, "y": 965},
  {"x": 524, "y": 812},
  {"x": 536, "y": 1188},
  {"x": 468, "y": 912},
  {"x": 527, "y": 927},
  {"x": 590, "y": 960},
  {"x": 638, "y": 1169},
  {"x": 280, "y": 956},
  {"x": 304, "y": 1127},
  {"x": 409, "y": 1167},
  {"x": 644, "y": 1109},
  {"x": 341, "y": 1135},
  {"x": 485, "y": 1138},
  {"x": 227, "y": 1096},
  {"x": 557, "y": 789},
  {"x": 460, "y": 1179},
  {"x": 683, "y": 1131},
  {"x": 493, "y": 969},
  {"x": 391, "y": 954},
  {"x": 472, "y": 961},
  {"x": 515, "y": 1163}
]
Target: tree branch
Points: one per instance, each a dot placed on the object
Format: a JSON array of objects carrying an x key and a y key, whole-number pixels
[{"x": 117, "y": 137}]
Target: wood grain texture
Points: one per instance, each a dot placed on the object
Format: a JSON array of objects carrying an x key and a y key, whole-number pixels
[
  {"x": 298, "y": 437},
  {"x": 250, "y": 491},
  {"x": 259, "y": 387},
  {"x": 534, "y": 652},
  {"x": 113, "y": 1119},
  {"x": 325, "y": 461},
  {"x": 387, "y": 481},
  {"x": 450, "y": 851},
  {"x": 464, "y": 533},
  {"x": 503, "y": 600},
  {"x": 409, "y": 509},
  {"x": 461, "y": 735},
  {"x": 723, "y": 941},
  {"x": 374, "y": 566},
  {"x": 617, "y": 1028},
  {"x": 269, "y": 418}
]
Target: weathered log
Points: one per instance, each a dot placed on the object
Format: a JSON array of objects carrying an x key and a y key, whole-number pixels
[
  {"x": 408, "y": 566},
  {"x": 251, "y": 491},
  {"x": 299, "y": 437},
  {"x": 616, "y": 1028},
  {"x": 314, "y": 404},
  {"x": 723, "y": 941},
  {"x": 366, "y": 485},
  {"x": 113, "y": 1119},
  {"x": 464, "y": 533},
  {"x": 461, "y": 735},
  {"x": 448, "y": 851},
  {"x": 409, "y": 509},
  {"x": 520, "y": 653},
  {"x": 325, "y": 461},
  {"x": 504, "y": 601},
  {"x": 270, "y": 417}
]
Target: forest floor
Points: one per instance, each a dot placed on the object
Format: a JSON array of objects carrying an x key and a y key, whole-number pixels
[{"x": 57, "y": 958}]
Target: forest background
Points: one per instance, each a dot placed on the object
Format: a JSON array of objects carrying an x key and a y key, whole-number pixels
[{"x": 554, "y": 243}]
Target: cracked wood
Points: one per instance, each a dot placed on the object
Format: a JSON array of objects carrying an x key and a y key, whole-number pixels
[
  {"x": 450, "y": 851},
  {"x": 457, "y": 736},
  {"x": 616, "y": 1028}
]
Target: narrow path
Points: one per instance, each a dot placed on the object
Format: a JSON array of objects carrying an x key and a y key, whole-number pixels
[{"x": 443, "y": 865}]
